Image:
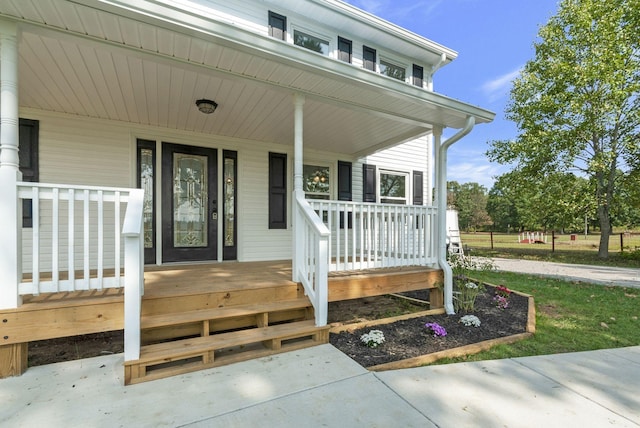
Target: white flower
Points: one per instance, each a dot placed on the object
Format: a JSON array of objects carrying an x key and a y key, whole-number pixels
[
  {"x": 470, "y": 320},
  {"x": 373, "y": 338},
  {"x": 471, "y": 285}
]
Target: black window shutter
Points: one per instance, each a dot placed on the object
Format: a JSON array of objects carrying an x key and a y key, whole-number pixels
[
  {"x": 277, "y": 190},
  {"x": 344, "y": 181},
  {"x": 344, "y": 49},
  {"x": 418, "y": 190},
  {"x": 369, "y": 192},
  {"x": 418, "y": 75},
  {"x": 28, "y": 158},
  {"x": 345, "y": 188},
  {"x": 369, "y": 57},
  {"x": 277, "y": 26}
]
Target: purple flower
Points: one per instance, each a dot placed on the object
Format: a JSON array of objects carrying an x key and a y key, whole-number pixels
[
  {"x": 436, "y": 328},
  {"x": 501, "y": 301}
]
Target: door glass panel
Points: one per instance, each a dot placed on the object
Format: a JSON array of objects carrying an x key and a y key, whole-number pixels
[
  {"x": 229, "y": 202},
  {"x": 190, "y": 200},
  {"x": 146, "y": 183}
]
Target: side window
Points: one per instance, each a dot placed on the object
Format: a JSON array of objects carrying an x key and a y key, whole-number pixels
[
  {"x": 418, "y": 75},
  {"x": 28, "y": 157},
  {"x": 277, "y": 190},
  {"x": 277, "y": 26},
  {"x": 310, "y": 42},
  {"x": 146, "y": 180},
  {"x": 344, "y": 49},
  {"x": 394, "y": 187},
  {"x": 392, "y": 70},
  {"x": 369, "y": 58},
  {"x": 316, "y": 181}
]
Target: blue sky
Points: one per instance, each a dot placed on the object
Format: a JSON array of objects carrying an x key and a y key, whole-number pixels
[{"x": 494, "y": 39}]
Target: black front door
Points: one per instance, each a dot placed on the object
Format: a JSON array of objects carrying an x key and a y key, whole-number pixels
[{"x": 189, "y": 203}]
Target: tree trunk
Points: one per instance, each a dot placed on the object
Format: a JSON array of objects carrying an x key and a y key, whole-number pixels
[{"x": 605, "y": 232}]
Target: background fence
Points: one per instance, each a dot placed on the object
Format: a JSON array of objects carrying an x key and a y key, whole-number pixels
[{"x": 618, "y": 242}]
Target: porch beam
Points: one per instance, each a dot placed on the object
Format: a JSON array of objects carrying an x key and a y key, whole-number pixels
[{"x": 10, "y": 206}]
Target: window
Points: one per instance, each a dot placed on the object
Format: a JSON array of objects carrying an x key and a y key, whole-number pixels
[
  {"x": 393, "y": 187},
  {"x": 418, "y": 75},
  {"x": 230, "y": 205},
  {"x": 277, "y": 191},
  {"x": 316, "y": 181},
  {"x": 369, "y": 58},
  {"x": 146, "y": 180},
  {"x": 310, "y": 42},
  {"x": 277, "y": 26},
  {"x": 392, "y": 70},
  {"x": 28, "y": 159},
  {"x": 344, "y": 49}
]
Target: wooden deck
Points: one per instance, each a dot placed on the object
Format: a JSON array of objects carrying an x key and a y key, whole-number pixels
[{"x": 198, "y": 301}]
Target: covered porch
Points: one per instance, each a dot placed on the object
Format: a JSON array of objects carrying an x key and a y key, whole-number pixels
[{"x": 120, "y": 74}]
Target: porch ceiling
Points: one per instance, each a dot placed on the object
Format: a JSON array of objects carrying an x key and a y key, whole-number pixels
[{"x": 104, "y": 61}]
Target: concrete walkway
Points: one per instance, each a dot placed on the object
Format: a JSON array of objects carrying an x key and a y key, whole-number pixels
[
  {"x": 607, "y": 275},
  {"x": 323, "y": 387}
]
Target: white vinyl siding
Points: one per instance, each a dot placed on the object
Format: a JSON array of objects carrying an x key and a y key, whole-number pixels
[{"x": 82, "y": 151}]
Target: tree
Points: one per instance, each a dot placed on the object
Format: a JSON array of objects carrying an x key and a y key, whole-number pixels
[
  {"x": 577, "y": 103},
  {"x": 470, "y": 200}
]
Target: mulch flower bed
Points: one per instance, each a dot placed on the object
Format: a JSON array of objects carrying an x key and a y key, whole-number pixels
[{"x": 410, "y": 338}]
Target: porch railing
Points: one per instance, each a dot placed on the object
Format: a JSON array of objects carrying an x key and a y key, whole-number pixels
[
  {"x": 368, "y": 235},
  {"x": 311, "y": 245},
  {"x": 75, "y": 237}
]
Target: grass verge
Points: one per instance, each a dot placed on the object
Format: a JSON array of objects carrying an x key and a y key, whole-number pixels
[{"x": 570, "y": 317}]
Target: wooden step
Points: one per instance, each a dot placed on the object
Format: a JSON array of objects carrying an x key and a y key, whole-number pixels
[
  {"x": 182, "y": 356},
  {"x": 212, "y": 314}
]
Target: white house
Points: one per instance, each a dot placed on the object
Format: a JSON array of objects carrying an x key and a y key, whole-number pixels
[{"x": 260, "y": 131}]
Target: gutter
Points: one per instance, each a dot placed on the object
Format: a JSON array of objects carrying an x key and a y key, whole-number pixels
[{"x": 441, "y": 186}]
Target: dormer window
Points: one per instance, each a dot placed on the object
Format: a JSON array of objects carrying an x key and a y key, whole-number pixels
[
  {"x": 390, "y": 69},
  {"x": 310, "y": 42}
]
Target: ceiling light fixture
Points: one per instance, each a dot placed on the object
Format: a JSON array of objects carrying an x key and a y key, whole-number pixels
[{"x": 206, "y": 106}]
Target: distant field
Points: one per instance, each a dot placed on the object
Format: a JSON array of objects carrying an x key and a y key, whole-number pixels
[{"x": 569, "y": 248}]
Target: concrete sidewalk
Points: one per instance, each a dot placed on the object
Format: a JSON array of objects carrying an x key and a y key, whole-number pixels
[
  {"x": 607, "y": 275},
  {"x": 321, "y": 386}
]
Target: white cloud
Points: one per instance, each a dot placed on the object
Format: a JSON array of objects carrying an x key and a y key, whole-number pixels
[
  {"x": 474, "y": 172},
  {"x": 500, "y": 86}
]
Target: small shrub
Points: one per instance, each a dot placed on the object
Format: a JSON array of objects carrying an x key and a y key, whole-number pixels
[
  {"x": 470, "y": 320},
  {"x": 373, "y": 339}
]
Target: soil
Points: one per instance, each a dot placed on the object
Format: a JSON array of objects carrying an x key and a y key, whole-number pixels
[
  {"x": 403, "y": 339},
  {"x": 410, "y": 338}
]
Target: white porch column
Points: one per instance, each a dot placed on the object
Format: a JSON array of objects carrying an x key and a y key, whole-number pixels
[
  {"x": 10, "y": 207},
  {"x": 298, "y": 119}
]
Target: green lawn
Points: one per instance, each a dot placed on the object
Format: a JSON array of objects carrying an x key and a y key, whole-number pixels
[{"x": 570, "y": 316}]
